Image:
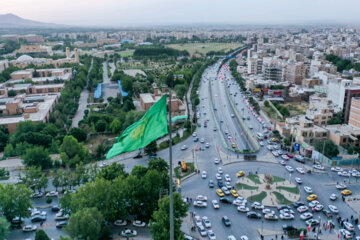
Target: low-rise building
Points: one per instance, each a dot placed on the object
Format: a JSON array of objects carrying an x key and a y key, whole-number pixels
[{"x": 344, "y": 135}]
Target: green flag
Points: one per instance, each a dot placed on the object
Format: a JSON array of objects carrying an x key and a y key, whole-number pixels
[{"x": 150, "y": 127}]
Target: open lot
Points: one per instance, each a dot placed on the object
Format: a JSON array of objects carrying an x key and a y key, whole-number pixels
[{"x": 204, "y": 48}]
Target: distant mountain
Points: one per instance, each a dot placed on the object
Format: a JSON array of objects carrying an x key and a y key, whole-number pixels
[{"x": 12, "y": 21}]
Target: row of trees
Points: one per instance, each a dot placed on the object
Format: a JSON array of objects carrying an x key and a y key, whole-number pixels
[
  {"x": 158, "y": 51},
  {"x": 96, "y": 73},
  {"x": 233, "y": 68},
  {"x": 342, "y": 64}
]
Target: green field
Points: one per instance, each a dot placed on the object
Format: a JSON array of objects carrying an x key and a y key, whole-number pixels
[
  {"x": 277, "y": 179},
  {"x": 281, "y": 199},
  {"x": 241, "y": 186},
  {"x": 126, "y": 53},
  {"x": 254, "y": 178},
  {"x": 258, "y": 198},
  {"x": 204, "y": 48},
  {"x": 294, "y": 190}
]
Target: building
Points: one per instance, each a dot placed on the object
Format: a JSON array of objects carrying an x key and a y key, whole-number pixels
[
  {"x": 4, "y": 64},
  {"x": 344, "y": 135},
  {"x": 35, "y": 108},
  {"x": 354, "y": 116},
  {"x": 272, "y": 69},
  {"x": 294, "y": 72},
  {"x": 306, "y": 131},
  {"x": 41, "y": 76},
  {"x": 254, "y": 65},
  {"x": 36, "y": 48},
  {"x": 30, "y": 38},
  {"x": 311, "y": 82}
]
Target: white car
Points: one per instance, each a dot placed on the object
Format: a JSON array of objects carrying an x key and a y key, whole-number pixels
[
  {"x": 207, "y": 145},
  {"x": 318, "y": 166},
  {"x": 319, "y": 207},
  {"x": 285, "y": 157},
  {"x": 227, "y": 178},
  {"x": 306, "y": 216},
  {"x": 340, "y": 186},
  {"x": 231, "y": 237},
  {"x": 257, "y": 205},
  {"x": 244, "y": 237},
  {"x": 61, "y": 216},
  {"x": 302, "y": 209},
  {"x": 202, "y": 230},
  {"x": 243, "y": 208},
  {"x": 313, "y": 203},
  {"x": 211, "y": 235},
  {"x": 333, "y": 209},
  {"x": 194, "y": 134},
  {"x": 52, "y": 194},
  {"x": 202, "y": 140},
  {"x": 275, "y": 153},
  {"x": 120, "y": 222},
  {"x": 239, "y": 202},
  {"x": 225, "y": 190},
  {"x": 200, "y": 204},
  {"x": 333, "y": 197},
  {"x": 300, "y": 170},
  {"x": 261, "y": 143},
  {"x": 268, "y": 211},
  {"x": 29, "y": 228},
  {"x": 138, "y": 223},
  {"x": 201, "y": 198},
  {"x": 349, "y": 226},
  {"x": 298, "y": 180},
  {"x": 220, "y": 170},
  {"x": 336, "y": 169},
  {"x": 216, "y": 161},
  {"x": 345, "y": 234},
  {"x": 183, "y": 147},
  {"x": 228, "y": 185},
  {"x": 289, "y": 168},
  {"x": 203, "y": 174},
  {"x": 344, "y": 174},
  {"x": 215, "y": 204},
  {"x": 286, "y": 211},
  {"x": 308, "y": 189},
  {"x": 269, "y": 147},
  {"x": 218, "y": 176},
  {"x": 206, "y": 222},
  {"x": 286, "y": 216}
]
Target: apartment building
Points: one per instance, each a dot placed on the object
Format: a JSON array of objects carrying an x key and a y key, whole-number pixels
[
  {"x": 307, "y": 132},
  {"x": 26, "y": 49},
  {"x": 354, "y": 116},
  {"x": 254, "y": 65},
  {"x": 344, "y": 135},
  {"x": 294, "y": 72}
]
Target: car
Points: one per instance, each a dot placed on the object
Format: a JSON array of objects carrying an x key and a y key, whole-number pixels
[
  {"x": 261, "y": 143},
  {"x": 257, "y": 205},
  {"x": 61, "y": 224},
  {"x": 286, "y": 216},
  {"x": 289, "y": 211},
  {"x": 218, "y": 176},
  {"x": 298, "y": 204},
  {"x": 196, "y": 139},
  {"x": 120, "y": 223},
  {"x": 214, "y": 129},
  {"x": 298, "y": 158},
  {"x": 302, "y": 209},
  {"x": 202, "y": 230},
  {"x": 231, "y": 237},
  {"x": 220, "y": 183},
  {"x": 271, "y": 217},
  {"x": 312, "y": 222},
  {"x": 306, "y": 215},
  {"x": 283, "y": 207},
  {"x": 183, "y": 147},
  {"x": 313, "y": 203},
  {"x": 55, "y": 208},
  {"x": 194, "y": 134},
  {"x": 300, "y": 170},
  {"x": 333, "y": 197},
  {"x": 285, "y": 157},
  {"x": 280, "y": 152},
  {"x": 282, "y": 162},
  {"x": 253, "y": 215},
  {"x": 207, "y": 145},
  {"x": 240, "y": 174},
  {"x": 327, "y": 213},
  {"x": 336, "y": 169},
  {"x": 346, "y": 192},
  {"x": 318, "y": 207},
  {"x": 340, "y": 186},
  {"x": 344, "y": 174},
  {"x": 220, "y": 170},
  {"x": 200, "y": 204},
  {"x": 61, "y": 216},
  {"x": 216, "y": 161},
  {"x": 52, "y": 194},
  {"x": 201, "y": 198},
  {"x": 211, "y": 235},
  {"x": 345, "y": 234},
  {"x": 128, "y": 232},
  {"x": 38, "y": 218},
  {"x": 298, "y": 180},
  {"x": 311, "y": 197},
  {"x": 226, "y": 221},
  {"x": 225, "y": 200},
  {"x": 233, "y": 145},
  {"x": 289, "y": 168},
  {"x": 267, "y": 211},
  {"x": 202, "y": 140},
  {"x": 37, "y": 195},
  {"x": 234, "y": 193},
  {"x": 29, "y": 228},
  {"x": 215, "y": 204},
  {"x": 16, "y": 220},
  {"x": 333, "y": 209},
  {"x": 211, "y": 184},
  {"x": 203, "y": 174},
  {"x": 288, "y": 228},
  {"x": 206, "y": 222},
  {"x": 269, "y": 147},
  {"x": 318, "y": 166},
  {"x": 349, "y": 226},
  {"x": 308, "y": 189},
  {"x": 225, "y": 190},
  {"x": 243, "y": 208},
  {"x": 138, "y": 223},
  {"x": 227, "y": 178},
  {"x": 228, "y": 185},
  {"x": 275, "y": 153}
]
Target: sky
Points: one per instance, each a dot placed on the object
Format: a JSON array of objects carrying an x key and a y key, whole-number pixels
[{"x": 117, "y": 13}]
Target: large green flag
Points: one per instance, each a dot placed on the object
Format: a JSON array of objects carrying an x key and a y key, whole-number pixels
[{"x": 150, "y": 127}]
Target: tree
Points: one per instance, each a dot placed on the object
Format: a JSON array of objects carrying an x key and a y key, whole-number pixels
[
  {"x": 4, "y": 138},
  {"x": 151, "y": 147},
  {"x": 72, "y": 152},
  {"x": 158, "y": 164},
  {"x": 336, "y": 119},
  {"x": 86, "y": 224},
  {"x": 115, "y": 126},
  {"x": 37, "y": 156},
  {"x": 328, "y": 147},
  {"x": 180, "y": 91},
  {"x": 266, "y": 103},
  {"x": 41, "y": 235},
  {"x": 11, "y": 93},
  {"x": 4, "y": 227},
  {"x": 100, "y": 126},
  {"x": 78, "y": 133},
  {"x": 113, "y": 171},
  {"x": 159, "y": 228}
]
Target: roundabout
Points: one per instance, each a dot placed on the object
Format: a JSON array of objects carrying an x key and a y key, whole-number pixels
[{"x": 267, "y": 189}]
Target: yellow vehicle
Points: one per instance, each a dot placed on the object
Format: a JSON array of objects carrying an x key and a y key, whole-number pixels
[
  {"x": 219, "y": 192},
  {"x": 312, "y": 197},
  {"x": 346, "y": 192},
  {"x": 240, "y": 174},
  {"x": 233, "y": 145},
  {"x": 234, "y": 193},
  {"x": 274, "y": 139}
]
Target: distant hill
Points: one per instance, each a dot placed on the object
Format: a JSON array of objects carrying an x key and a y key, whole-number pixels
[{"x": 12, "y": 21}]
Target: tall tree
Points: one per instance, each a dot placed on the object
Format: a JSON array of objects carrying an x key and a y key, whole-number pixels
[
  {"x": 4, "y": 227},
  {"x": 327, "y": 147},
  {"x": 72, "y": 152},
  {"x": 37, "y": 156},
  {"x": 41, "y": 235}
]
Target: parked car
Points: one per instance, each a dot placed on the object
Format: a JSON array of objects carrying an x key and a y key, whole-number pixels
[
  {"x": 120, "y": 223},
  {"x": 128, "y": 233},
  {"x": 138, "y": 223},
  {"x": 61, "y": 224},
  {"x": 29, "y": 228},
  {"x": 52, "y": 194}
]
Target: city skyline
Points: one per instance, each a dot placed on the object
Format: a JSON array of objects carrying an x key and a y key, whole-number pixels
[{"x": 161, "y": 12}]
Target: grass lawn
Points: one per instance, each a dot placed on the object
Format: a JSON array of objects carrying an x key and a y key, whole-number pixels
[
  {"x": 204, "y": 48},
  {"x": 180, "y": 174},
  {"x": 126, "y": 53},
  {"x": 296, "y": 109},
  {"x": 277, "y": 179},
  {"x": 281, "y": 199},
  {"x": 258, "y": 197},
  {"x": 240, "y": 186},
  {"x": 294, "y": 190},
  {"x": 254, "y": 178}
]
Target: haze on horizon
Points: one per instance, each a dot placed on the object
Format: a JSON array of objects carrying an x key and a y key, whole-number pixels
[{"x": 116, "y": 13}]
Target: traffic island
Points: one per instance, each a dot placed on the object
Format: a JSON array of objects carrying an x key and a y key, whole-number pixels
[
  {"x": 180, "y": 173},
  {"x": 269, "y": 190}
]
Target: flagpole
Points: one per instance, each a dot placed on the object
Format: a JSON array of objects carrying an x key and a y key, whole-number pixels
[{"x": 171, "y": 173}]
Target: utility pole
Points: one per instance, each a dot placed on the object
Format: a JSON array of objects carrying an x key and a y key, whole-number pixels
[{"x": 171, "y": 174}]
